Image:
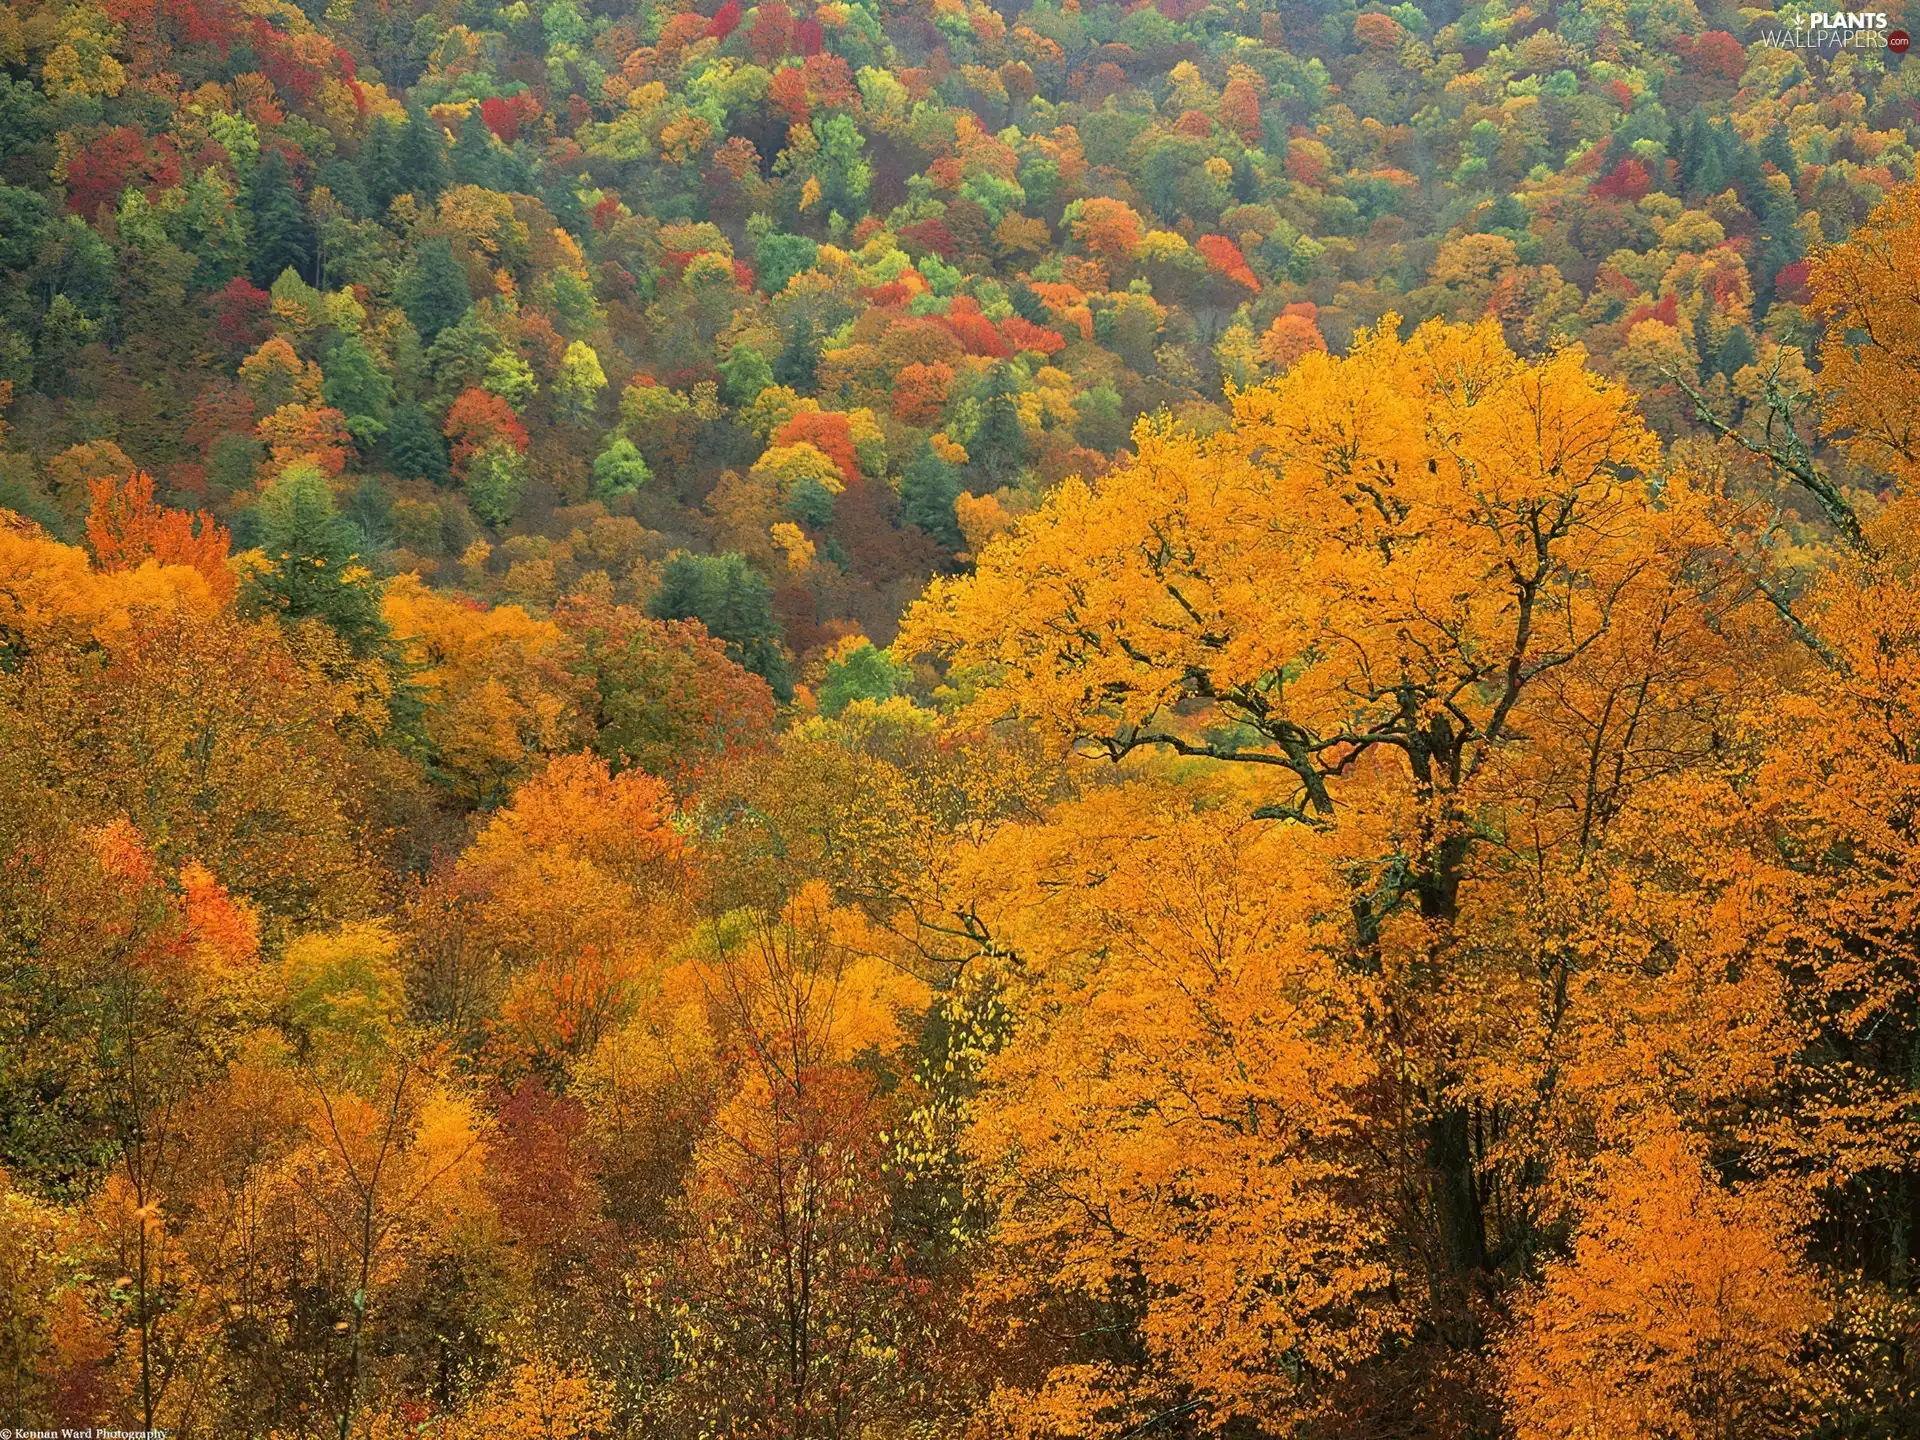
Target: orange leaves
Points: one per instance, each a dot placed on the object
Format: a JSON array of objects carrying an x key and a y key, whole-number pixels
[
  {"x": 828, "y": 431},
  {"x": 1240, "y": 108},
  {"x": 1681, "y": 1315},
  {"x": 920, "y": 394},
  {"x": 1109, "y": 229},
  {"x": 225, "y": 932},
  {"x": 1223, "y": 257},
  {"x": 1167, "y": 1130},
  {"x": 576, "y": 880},
  {"x": 478, "y": 417},
  {"x": 125, "y": 527},
  {"x": 973, "y": 330},
  {"x": 315, "y": 433},
  {"x": 576, "y": 807},
  {"x": 1291, "y": 336}
]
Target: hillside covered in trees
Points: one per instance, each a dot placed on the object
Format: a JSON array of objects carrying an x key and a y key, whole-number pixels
[{"x": 903, "y": 719}]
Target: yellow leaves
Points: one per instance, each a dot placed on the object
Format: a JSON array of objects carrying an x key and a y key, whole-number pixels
[
  {"x": 798, "y": 464},
  {"x": 1869, "y": 375},
  {"x": 345, "y": 987},
  {"x": 1378, "y": 525},
  {"x": 498, "y": 691},
  {"x": 83, "y": 66},
  {"x": 810, "y": 193},
  {"x": 818, "y": 979},
  {"x": 1171, "y": 1113},
  {"x": 794, "y": 544},
  {"x": 50, "y": 594},
  {"x": 1681, "y": 1314},
  {"x": 536, "y": 1399},
  {"x": 575, "y": 806}
]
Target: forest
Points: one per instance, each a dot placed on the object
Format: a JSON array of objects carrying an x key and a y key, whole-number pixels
[{"x": 940, "y": 720}]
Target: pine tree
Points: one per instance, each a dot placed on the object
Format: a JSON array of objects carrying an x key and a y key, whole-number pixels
[
  {"x": 314, "y": 568},
  {"x": 433, "y": 290},
  {"x": 928, "y": 488},
  {"x": 1775, "y": 151},
  {"x": 414, "y": 447},
  {"x": 380, "y": 165},
  {"x": 999, "y": 446},
  {"x": 799, "y": 359},
  {"x": 735, "y": 602},
  {"x": 282, "y": 233},
  {"x": 421, "y": 156},
  {"x": 348, "y": 189},
  {"x": 475, "y": 157}
]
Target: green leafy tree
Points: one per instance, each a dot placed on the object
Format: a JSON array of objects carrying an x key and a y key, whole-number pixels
[
  {"x": 620, "y": 469},
  {"x": 358, "y": 388},
  {"x": 735, "y": 602},
  {"x": 282, "y": 233},
  {"x": 433, "y": 290},
  {"x": 778, "y": 258},
  {"x": 744, "y": 374},
  {"x": 380, "y": 166},
  {"x": 414, "y": 446},
  {"x": 312, "y": 564},
  {"x": 496, "y": 482},
  {"x": 862, "y": 673}
]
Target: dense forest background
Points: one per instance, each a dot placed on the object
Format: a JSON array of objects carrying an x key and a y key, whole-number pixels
[{"x": 911, "y": 719}]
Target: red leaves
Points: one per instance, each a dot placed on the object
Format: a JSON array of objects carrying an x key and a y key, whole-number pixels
[
  {"x": 771, "y": 36},
  {"x": 125, "y": 528},
  {"x": 477, "y": 418},
  {"x": 973, "y": 330},
  {"x": 1223, "y": 257},
  {"x": 1720, "y": 54},
  {"x": 122, "y": 157},
  {"x": 1023, "y": 334},
  {"x": 505, "y": 116},
  {"x": 787, "y": 94},
  {"x": 1791, "y": 283},
  {"x": 1240, "y": 110},
  {"x": 1667, "y": 312},
  {"x": 725, "y": 21},
  {"x": 240, "y": 314},
  {"x": 1628, "y": 181},
  {"x": 929, "y": 235}
]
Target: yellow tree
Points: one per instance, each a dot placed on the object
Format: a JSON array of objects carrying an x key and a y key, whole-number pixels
[
  {"x": 790, "y": 1307},
  {"x": 1682, "y": 1314},
  {"x": 498, "y": 692},
  {"x": 1172, "y": 1139},
  {"x": 1404, "y": 588}
]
